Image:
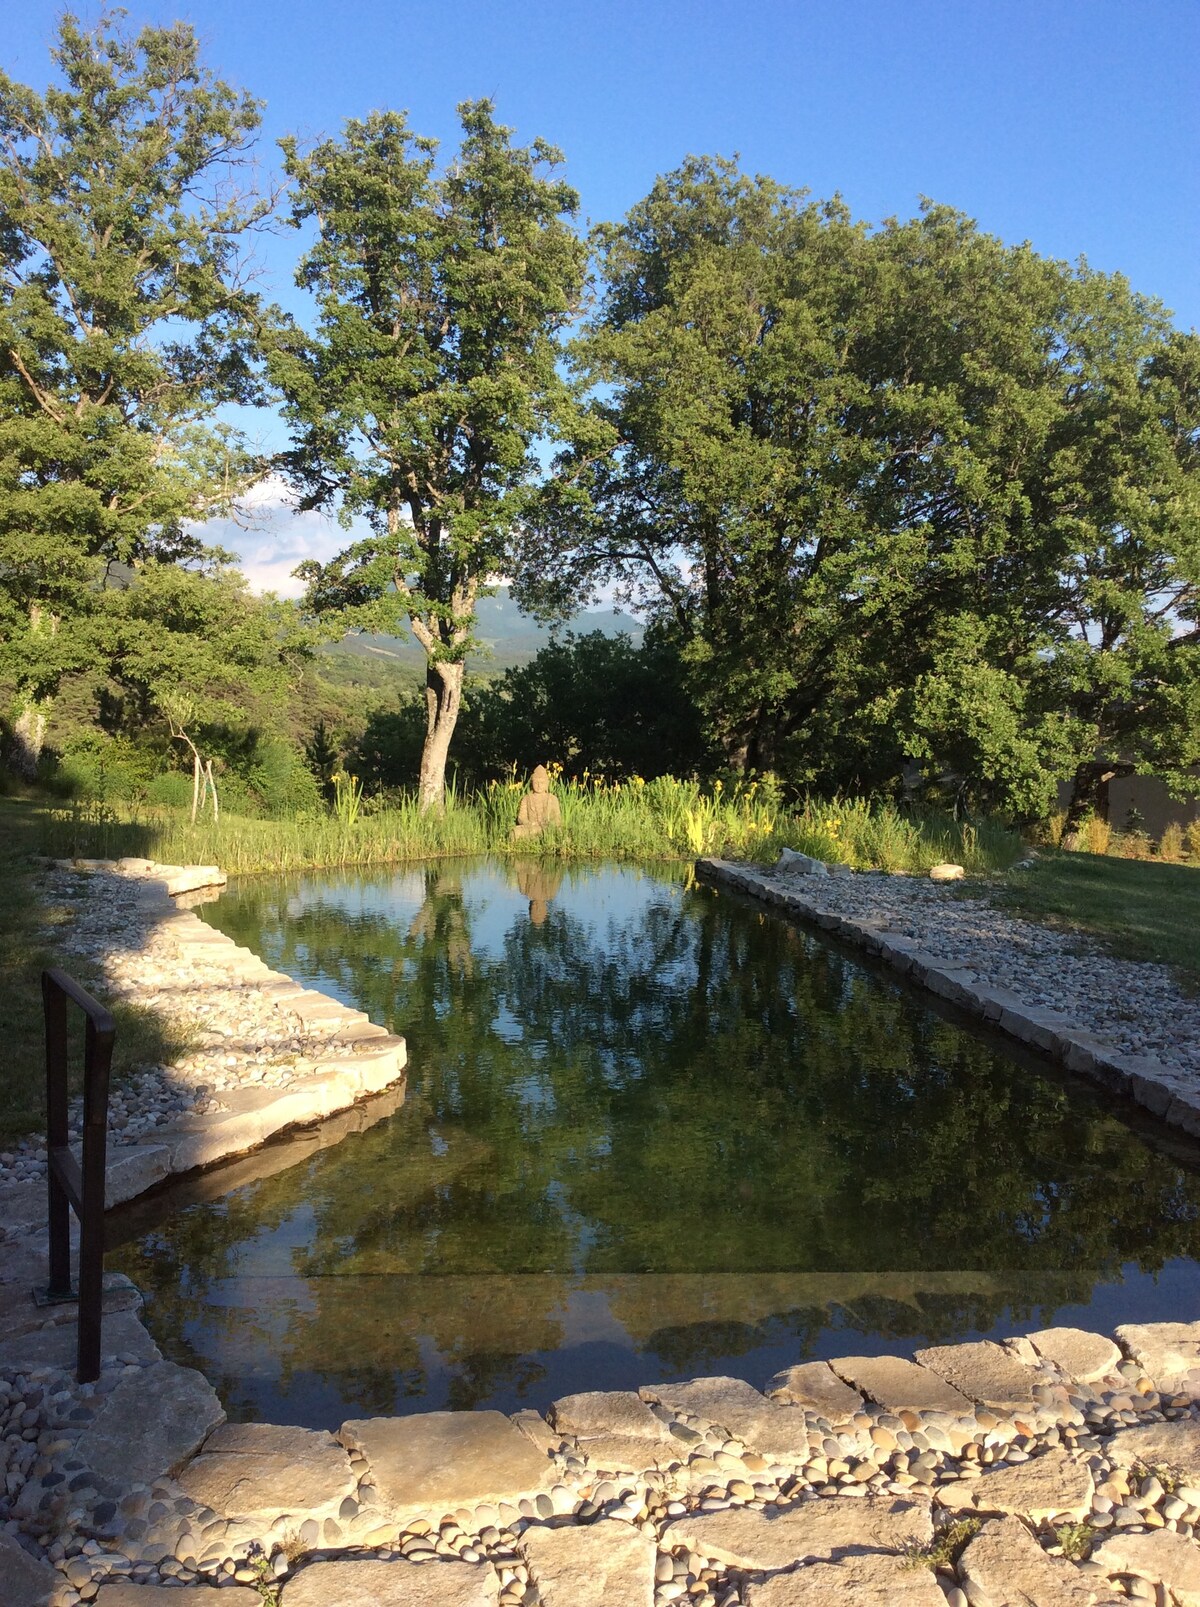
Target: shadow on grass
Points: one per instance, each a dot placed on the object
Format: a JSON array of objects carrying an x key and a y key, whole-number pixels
[
  {"x": 30, "y": 940},
  {"x": 1142, "y": 909}
]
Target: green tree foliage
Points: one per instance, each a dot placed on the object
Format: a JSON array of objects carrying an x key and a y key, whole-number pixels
[
  {"x": 598, "y": 705},
  {"x": 190, "y": 657},
  {"x": 903, "y": 493},
  {"x": 125, "y": 321},
  {"x": 433, "y": 372}
]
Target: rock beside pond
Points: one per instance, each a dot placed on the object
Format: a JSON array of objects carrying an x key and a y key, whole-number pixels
[
  {"x": 792, "y": 863},
  {"x": 606, "y": 1412},
  {"x": 815, "y": 1385},
  {"x": 1159, "y": 1558},
  {"x": 872, "y": 1580},
  {"x": 1172, "y": 1445},
  {"x": 986, "y": 1373},
  {"x": 151, "y": 1423},
  {"x": 814, "y": 1530},
  {"x": 1077, "y": 1354},
  {"x": 260, "y": 1470},
  {"x": 1005, "y": 1565},
  {"x": 765, "y": 1426},
  {"x": 1051, "y": 1486},
  {"x": 441, "y": 1460},
  {"x": 1168, "y": 1351},
  {"x": 27, "y": 1581},
  {"x": 393, "y": 1584},
  {"x": 599, "y": 1566},
  {"x": 901, "y": 1385}
]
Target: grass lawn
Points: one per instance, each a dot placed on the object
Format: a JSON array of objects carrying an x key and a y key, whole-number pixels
[
  {"x": 29, "y": 942},
  {"x": 1142, "y": 909}
]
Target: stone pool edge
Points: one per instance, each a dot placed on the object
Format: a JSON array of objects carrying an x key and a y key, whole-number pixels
[
  {"x": 1168, "y": 1094},
  {"x": 614, "y": 1498}
]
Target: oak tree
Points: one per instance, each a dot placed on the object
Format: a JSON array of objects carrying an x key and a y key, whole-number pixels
[{"x": 419, "y": 400}]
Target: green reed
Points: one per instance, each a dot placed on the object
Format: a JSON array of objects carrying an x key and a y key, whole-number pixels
[{"x": 632, "y": 819}]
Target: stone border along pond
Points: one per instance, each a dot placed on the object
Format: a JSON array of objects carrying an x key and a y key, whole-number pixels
[{"x": 1061, "y": 1469}]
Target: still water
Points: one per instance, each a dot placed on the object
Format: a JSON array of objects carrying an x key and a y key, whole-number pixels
[{"x": 649, "y": 1131}]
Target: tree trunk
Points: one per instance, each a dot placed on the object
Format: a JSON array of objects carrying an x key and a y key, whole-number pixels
[
  {"x": 29, "y": 727},
  {"x": 28, "y": 739},
  {"x": 1089, "y": 794},
  {"x": 443, "y": 695}
]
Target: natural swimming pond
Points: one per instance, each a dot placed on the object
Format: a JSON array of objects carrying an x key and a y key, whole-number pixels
[{"x": 649, "y": 1131}]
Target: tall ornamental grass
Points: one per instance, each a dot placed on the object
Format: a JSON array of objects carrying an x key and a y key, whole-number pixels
[{"x": 635, "y": 819}]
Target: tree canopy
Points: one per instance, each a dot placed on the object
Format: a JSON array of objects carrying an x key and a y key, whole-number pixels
[
  {"x": 126, "y": 320},
  {"x": 433, "y": 372},
  {"x": 902, "y": 494}
]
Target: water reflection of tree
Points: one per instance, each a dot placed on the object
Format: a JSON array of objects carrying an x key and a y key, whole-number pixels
[{"x": 696, "y": 1089}]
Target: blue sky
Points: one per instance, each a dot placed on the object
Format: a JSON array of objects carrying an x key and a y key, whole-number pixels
[{"x": 1069, "y": 123}]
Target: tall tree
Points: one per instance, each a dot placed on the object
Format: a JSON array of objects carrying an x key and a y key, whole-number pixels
[
  {"x": 419, "y": 400},
  {"x": 125, "y": 321},
  {"x": 718, "y": 342},
  {"x": 886, "y": 486}
]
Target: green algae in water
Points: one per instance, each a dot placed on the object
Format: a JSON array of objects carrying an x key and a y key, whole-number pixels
[{"x": 649, "y": 1130}]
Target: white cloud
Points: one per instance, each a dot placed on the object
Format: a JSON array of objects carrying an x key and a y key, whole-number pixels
[{"x": 271, "y": 538}]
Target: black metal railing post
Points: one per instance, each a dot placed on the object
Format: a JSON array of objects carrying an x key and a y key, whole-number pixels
[{"x": 72, "y": 1186}]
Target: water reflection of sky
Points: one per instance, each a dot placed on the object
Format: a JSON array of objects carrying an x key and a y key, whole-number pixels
[
  {"x": 613, "y": 1166},
  {"x": 606, "y": 908}
]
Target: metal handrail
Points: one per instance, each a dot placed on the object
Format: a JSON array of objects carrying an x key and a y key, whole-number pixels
[{"x": 72, "y": 1186}]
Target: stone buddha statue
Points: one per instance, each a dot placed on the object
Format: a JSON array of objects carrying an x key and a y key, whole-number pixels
[{"x": 539, "y": 807}]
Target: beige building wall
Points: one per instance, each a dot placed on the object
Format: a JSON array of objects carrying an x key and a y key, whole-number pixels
[{"x": 1149, "y": 796}]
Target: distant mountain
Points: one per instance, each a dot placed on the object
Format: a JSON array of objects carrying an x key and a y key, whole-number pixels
[{"x": 509, "y": 637}]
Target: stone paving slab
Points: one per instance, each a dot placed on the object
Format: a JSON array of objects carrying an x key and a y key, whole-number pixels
[
  {"x": 875, "y": 1580},
  {"x": 259, "y": 1470},
  {"x": 901, "y": 1386},
  {"x": 1006, "y": 1565},
  {"x": 606, "y": 1564},
  {"x": 1173, "y": 1445},
  {"x": 985, "y": 1373},
  {"x": 1050, "y": 1486},
  {"x": 150, "y": 1424},
  {"x": 762, "y": 1425},
  {"x": 821, "y": 1529},
  {"x": 625, "y": 1453},
  {"x": 815, "y": 1385},
  {"x": 27, "y": 1582},
  {"x": 121, "y": 1334},
  {"x": 442, "y": 1460},
  {"x": 393, "y": 1584},
  {"x": 607, "y": 1412},
  {"x": 1162, "y": 1557},
  {"x": 1083, "y": 1356}
]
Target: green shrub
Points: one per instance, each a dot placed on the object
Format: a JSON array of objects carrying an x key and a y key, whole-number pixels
[
  {"x": 1170, "y": 844},
  {"x": 282, "y": 781},
  {"x": 170, "y": 790}
]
